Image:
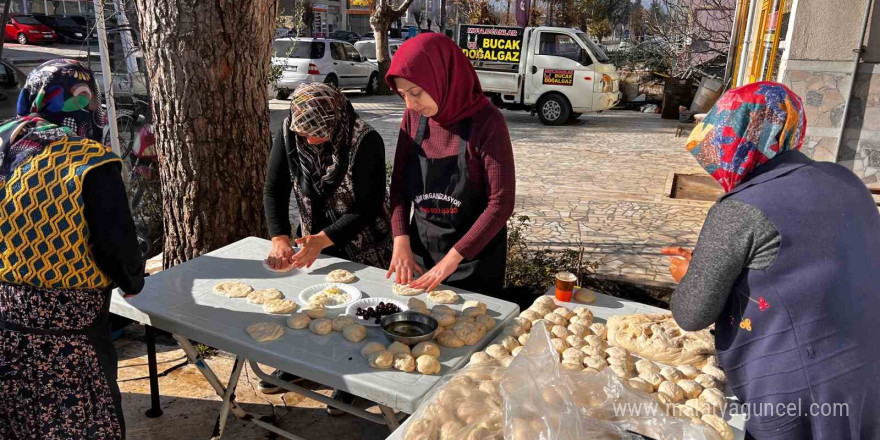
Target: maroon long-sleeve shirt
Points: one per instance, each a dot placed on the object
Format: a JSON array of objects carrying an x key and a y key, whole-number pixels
[{"x": 490, "y": 168}]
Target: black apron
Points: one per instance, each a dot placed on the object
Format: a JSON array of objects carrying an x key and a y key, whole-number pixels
[{"x": 445, "y": 207}]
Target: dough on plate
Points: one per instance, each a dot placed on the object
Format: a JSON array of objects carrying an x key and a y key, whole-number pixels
[
  {"x": 486, "y": 321},
  {"x": 448, "y": 338},
  {"x": 404, "y": 362},
  {"x": 233, "y": 289},
  {"x": 563, "y": 312},
  {"x": 381, "y": 359},
  {"x": 321, "y": 326},
  {"x": 620, "y": 362},
  {"x": 265, "y": 331},
  {"x": 443, "y": 297},
  {"x": 315, "y": 312},
  {"x": 398, "y": 347},
  {"x": 620, "y": 372},
  {"x": 617, "y": 352},
  {"x": 341, "y": 321},
  {"x": 298, "y": 321},
  {"x": 260, "y": 296},
  {"x": 404, "y": 290},
  {"x": 354, "y": 332},
  {"x": 714, "y": 397},
  {"x": 426, "y": 348},
  {"x": 370, "y": 348},
  {"x": 571, "y": 364},
  {"x": 279, "y": 306},
  {"x": 341, "y": 276},
  {"x": 428, "y": 364}
]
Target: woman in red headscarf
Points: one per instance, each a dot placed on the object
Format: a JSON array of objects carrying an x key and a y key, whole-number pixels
[{"x": 454, "y": 165}]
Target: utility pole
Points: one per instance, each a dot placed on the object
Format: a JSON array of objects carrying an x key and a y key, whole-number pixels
[{"x": 5, "y": 19}]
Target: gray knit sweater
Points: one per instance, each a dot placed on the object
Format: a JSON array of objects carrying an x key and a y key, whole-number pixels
[{"x": 734, "y": 237}]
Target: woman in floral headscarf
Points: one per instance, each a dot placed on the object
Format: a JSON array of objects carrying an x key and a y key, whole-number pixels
[
  {"x": 66, "y": 237},
  {"x": 787, "y": 268}
]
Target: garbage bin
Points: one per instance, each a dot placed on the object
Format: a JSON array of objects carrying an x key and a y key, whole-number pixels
[
  {"x": 676, "y": 92},
  {"x": 707, "y": 94}
]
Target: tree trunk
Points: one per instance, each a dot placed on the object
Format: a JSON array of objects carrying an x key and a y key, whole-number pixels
[
  {"x": 208, "y": 68},
  {"x": 443, "y": 16},
  {"x": 383, "y": 14}
]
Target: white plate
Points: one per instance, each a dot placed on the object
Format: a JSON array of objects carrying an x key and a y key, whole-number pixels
[
  {"x": 331, "y": 310},
  {"x": 370, "y": 302}
]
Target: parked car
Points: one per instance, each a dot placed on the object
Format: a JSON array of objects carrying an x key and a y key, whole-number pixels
[
  {"x": 68, "y": 30},
  {"x": 349, "y": 36},
  {"x": 11, "y": 81},
  {"x": 26, "y": 29},
  {"x": 281, "y": 32},
  {"x": 367, "y": 48},
  {"x": 305, "y": 60}
]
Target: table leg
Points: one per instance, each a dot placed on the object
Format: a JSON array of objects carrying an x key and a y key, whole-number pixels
[
  {"x": 229, "y": 395},
  {"x": 155, "y": 408},
  {"x": 390, "y": 418}
]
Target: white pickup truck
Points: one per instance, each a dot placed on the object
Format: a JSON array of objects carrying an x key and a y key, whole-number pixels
[{"x": 558, "y": 73}]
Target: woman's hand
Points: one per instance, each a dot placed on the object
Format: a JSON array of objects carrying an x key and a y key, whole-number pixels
[
  {"x": 310, "y": 247},
  {"x": 281, "y": 253},
  {"x": 680, "y": 261},
  {"x": 440, "y": 272},
  {"x": 403, "y": 264}
]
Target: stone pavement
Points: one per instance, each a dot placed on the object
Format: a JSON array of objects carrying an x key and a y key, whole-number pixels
[{"x": 602, "y": 182}]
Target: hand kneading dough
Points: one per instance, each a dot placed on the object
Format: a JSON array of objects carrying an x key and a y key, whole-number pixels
[
  {"x": 340, "y": 276},
  {"x": 477, "y": 358},
  {"x": 260, "y": 296},
  {"x": 315, "y": 313},
  {"x": 398, "y": 347},
  {"x": 340, "y": 322},
  {"x": 428, "y": 364},
  {"x": 279, "y": 306},
  {"x": 443, "y": 297},
  {"x": 265, "y": 331},
  {"x": 321, "y": 326},
  {"x": 298, "y": 321},
  {"x": 370, "y": 348},
  {"x": 233, "y": 289},
  {"x": 640, "y": 384},
  {"x": 404, "y": 362},
  {"x": 486, "y": 321},
  {"x": 381, "y": 359},
  {"x": 672, "y": 391},
  {"x": 354, "y": 332},
  {"x": 404, "y": 290},
  {"x": 426, "y": 348},
  {"x": 719, "y": 425},
  {"x": 449, "y": 339}
]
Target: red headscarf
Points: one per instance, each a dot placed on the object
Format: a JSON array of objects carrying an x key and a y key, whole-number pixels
[{"x": 435, "y": 63}]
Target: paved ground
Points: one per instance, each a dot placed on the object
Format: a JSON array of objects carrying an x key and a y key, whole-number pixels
[{"x": 601, "y": 183}]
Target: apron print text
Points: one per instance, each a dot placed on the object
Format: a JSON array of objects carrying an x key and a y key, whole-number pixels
[{"x": 441, "y": 197}]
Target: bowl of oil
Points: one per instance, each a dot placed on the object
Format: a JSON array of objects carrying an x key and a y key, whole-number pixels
[{"x": 408, "y": 327}]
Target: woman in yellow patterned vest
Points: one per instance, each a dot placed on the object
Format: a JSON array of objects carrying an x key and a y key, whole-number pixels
[{"x": 66, "y": 238}]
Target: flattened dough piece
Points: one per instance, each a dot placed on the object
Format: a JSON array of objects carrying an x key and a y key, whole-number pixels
[
  {"x": 233, "y": 289},
  {"x": 341, "y": 276},
  {"x": 404, "y": 290},
  {"x": 265, "y": 331},
  {"x": 443, "y": 297},
  {"x": 279, "y": 306},
  {"x": 261, "y": 296}
]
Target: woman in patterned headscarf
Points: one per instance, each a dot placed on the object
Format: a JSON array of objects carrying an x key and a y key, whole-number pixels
[
  {"x": 66, "y": 237},
  {"x": 787, "y": 268}
]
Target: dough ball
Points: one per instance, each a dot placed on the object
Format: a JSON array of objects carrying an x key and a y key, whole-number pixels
[
  {"x": 523, "y": 322},
  {"x": 315, "y": 312},
  {"x": 591, "y": 370},
  {"x": 564, "y": 312},
  {"x": 381, "y": 359},
  {"x": 497, "y": 351},
  {"x": 571, "y": 364},
  {"x": 370, "y": 348},
  {"x": 279, "y": 306},
  {"x": 404, "y": 362},
  {"x": 716, "y": 373},
  {"x": 404, "y": 290},
  {"x": 595, "y": 362},
  {"x": 398, "y": 347},
  {"x": 486, "y": 321},
  {"x": 444, "y": 319},
  {"x": 671, "y": 374},
  {"x": 583, "y": 312},
  {"x": 474, "y": 303},
  {"x": 644, "y": 366},
  {"x": 471, "y": 320},
  {"x": 620, "y": 372},
  {"x": 428, "y": 364},
  {"x": 531, "y": 315},
  {"x": 298, "y": 321},
  {"x": 599, "y": 330},
  {"x": 617, "y": 352},
  {"x": 469, "y": 333},
  {"x": 689, "y": 371},
  {"x": 479, "y": 357},
  {"x": 719, "y": 425},
  {"x": 578, "y": 330},
  {"x": 426, "y": 348},
  {"x": 509, "y": 343},
  {"x": 546, "y": 300},
  {"x": 523, "y": 339},
  {"x": 340, "y": 322},
  {"x": 620, "y": 362},
  {"x": 416, "y": 303},
  {"x": 691, "y": 389},
  {"x": 585, "y": 296},
  {"x": 443, "y": 309},
  {"x": 713, "y": 361},
  {"x": 637, "y": 383},
  {"x": 576, "y": 341},
  {"x": 449, "y": 339},
  {"x": 543, "y": 309},
  {"x": 574, "y": 354},
  {"x": 265, "y": 331},
  {"x": 340, "y": 276},
  {"x": 589, "y": 350},
  {"x": 595, "y": 341},
  {"x": 472, "y": 312},
  {"x": 706, "y": 381},
  {"x": 560, "y": 331},
  {"x": 559, "y": 345},
  {"x": 652, "y": 378},
  {"x": 443, "y": 297},
  {"x": 555, "y": 319},
  {"x": 321, "y": 326},
  {"x": 260, "y": 296},
  {"x": 422, "y": 310},
  {"x": 671, "y": 390},
  {"x": 516, "y": 351},
  {"x": 233, "y": 289},
  {"x": 714, "y": 398},
  {"x": 354, "y": 332}
]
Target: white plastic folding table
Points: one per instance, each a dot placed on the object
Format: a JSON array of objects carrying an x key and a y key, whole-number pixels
[{"x": 180, "y": 301}]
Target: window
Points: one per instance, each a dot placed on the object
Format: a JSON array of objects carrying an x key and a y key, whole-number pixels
[
  {"x": 337, "y": 51},
  {"x": 561, "y": 45},
  {"x": 352, "y": 53},
  {"x": 594, "y": 48},
  {"x": 24, "y": 19},
  {"x": 298, "y": 49}
]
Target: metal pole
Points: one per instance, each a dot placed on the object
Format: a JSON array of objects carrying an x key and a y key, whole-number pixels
[
  {"x": 5, "y": 19},
  {"x": 155, "y": 408},
  {"x": 852, "y": 82},
  {"x": 64, "y": 6},
  {"x": 734, "y": 40},
  {"x": 107, "y": 76},
  {"x": 125, "y": 36},
  {"x": 744, "y": 56}
]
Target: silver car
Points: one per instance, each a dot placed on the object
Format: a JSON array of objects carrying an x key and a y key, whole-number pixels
[{"x": 306, "y": 60}]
